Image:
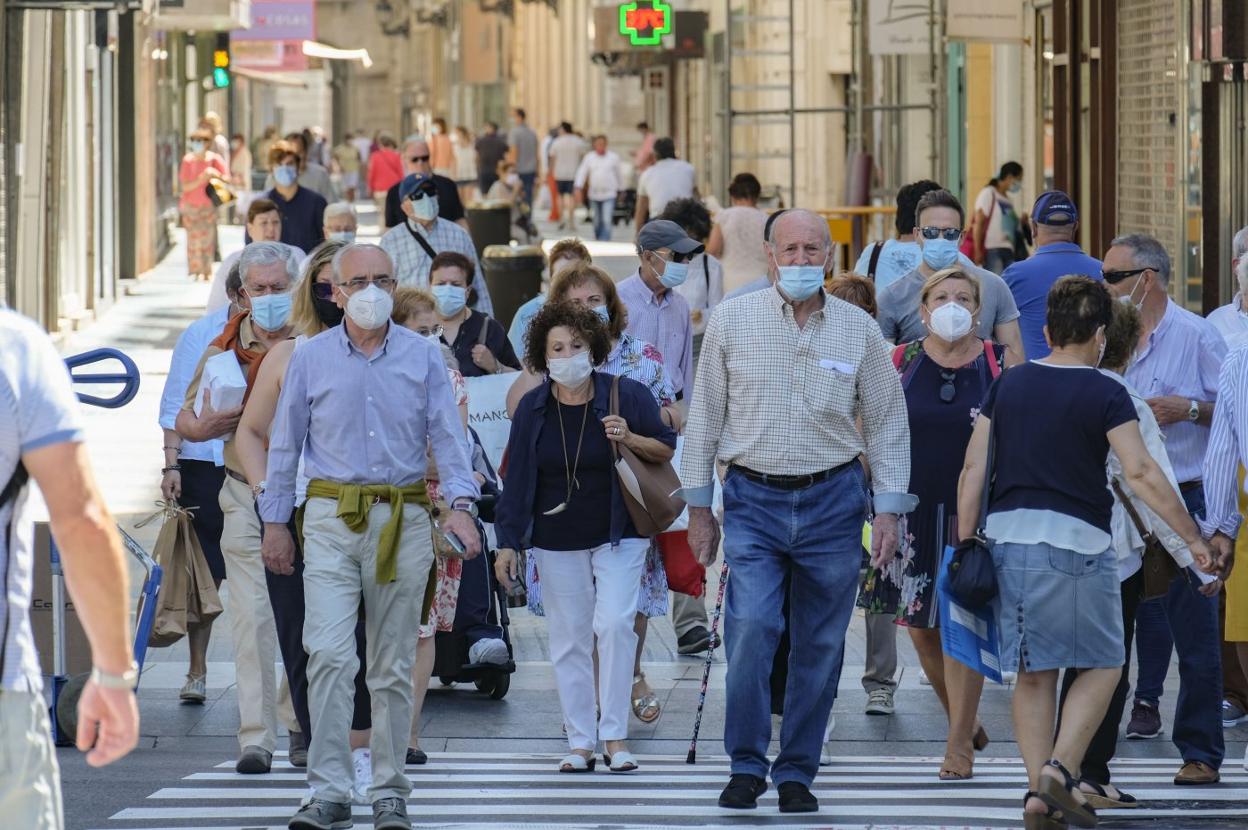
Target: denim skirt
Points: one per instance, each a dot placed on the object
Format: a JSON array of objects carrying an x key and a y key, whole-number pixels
[{"x": 1057, "y": 609}]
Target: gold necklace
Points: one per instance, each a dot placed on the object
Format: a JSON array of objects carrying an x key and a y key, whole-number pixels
[{"x": 569, "y": 471}]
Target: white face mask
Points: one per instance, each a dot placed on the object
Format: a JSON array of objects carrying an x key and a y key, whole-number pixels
[
  {"x": 570, "y": 371},
  {"x": 370, "y": 309},
  {"x": 950, "y": 322}
]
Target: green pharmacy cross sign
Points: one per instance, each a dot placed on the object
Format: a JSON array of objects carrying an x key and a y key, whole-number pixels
[{"x": 645, "y": 22}]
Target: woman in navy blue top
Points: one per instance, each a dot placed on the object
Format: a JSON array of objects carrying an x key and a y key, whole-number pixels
[
  {"x": 1059, "y": 606},
  {"x": 562, "y": 501}
]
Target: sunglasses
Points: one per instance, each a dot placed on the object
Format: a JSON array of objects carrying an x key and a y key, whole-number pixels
[
  {"x": 950, "y": 234},
  {"x": 418, "y": 159},
  {"x": 1115, "y": 277},
  {"x": 420, "y": 194},
  {"x": 948, "y": 389},
  {"x": 323, "y": 290}
]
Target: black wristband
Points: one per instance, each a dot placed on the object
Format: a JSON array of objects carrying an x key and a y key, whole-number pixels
[{"x": 171, "y": 468}]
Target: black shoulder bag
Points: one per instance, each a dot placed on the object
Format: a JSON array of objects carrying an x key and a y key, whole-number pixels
[
  {"x": 420, "y": 240},
  {"x": 9, "y": 495},
  {"x": 876, "y": 250},
  {"x": 972, "y": 576}
]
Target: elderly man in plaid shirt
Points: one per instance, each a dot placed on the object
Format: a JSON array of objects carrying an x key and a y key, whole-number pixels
[{"x": 785, "y": 375}]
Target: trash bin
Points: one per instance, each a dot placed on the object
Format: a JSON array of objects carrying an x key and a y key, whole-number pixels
[
  {"x": 514, "y": 276},
  {"x": 489, "y": 223}
]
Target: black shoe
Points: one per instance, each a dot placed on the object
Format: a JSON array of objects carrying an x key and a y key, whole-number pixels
[
  {"x": 322, "y": 815},
  {"x": 254, "y": 761},
  {"x": 694, "y": 641},
  {"x": 1145, "y": 722},
  {"x": 416, "y": 757},
  {"x": 796, "y": 797},
  {"x": 391, "y": 814},
  {"x": 742, "y": 791},
  {"x": 298, "y": 753}
]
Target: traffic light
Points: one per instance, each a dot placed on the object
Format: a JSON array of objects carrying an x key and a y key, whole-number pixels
[{"x": 221, "y": 62}]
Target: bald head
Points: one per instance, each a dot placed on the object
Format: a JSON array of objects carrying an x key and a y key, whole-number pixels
[
  {"x": 361, "y": 260},
  {"x": 801, "y": 237},
  {"x": 416, "y": 156}
]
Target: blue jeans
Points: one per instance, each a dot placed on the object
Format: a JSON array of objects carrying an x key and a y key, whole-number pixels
[
  {"x": 812, "y": 538},
  {"x": 1186, "y": 620},
  {"x": 526, "y": 182},
  {"x": 997, "y": 260},
  {"x": 603, "y": 210}
]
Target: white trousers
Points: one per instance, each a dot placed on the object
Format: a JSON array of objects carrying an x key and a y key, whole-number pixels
[
  {"x": 263, "y": 698},
  {"x": 30, "y": 781},
  {"x": 340, "y": 568},
  {"x": 588, "y": 594}
]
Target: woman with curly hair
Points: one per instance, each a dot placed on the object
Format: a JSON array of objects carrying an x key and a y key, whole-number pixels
[{"x": 563, "y": 502}]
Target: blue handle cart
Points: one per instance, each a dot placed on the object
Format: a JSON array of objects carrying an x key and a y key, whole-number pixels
[{"x": 66, "y": 690}]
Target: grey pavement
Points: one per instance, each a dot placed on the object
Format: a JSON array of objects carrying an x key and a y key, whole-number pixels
[{"x": 463, "y": 729}]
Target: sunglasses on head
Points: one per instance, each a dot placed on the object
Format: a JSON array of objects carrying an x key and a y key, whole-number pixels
[
  {"x": 950, "y": 234},
  {"x": 1115, "y": 277},
  {"x": 948, "y": 387},
  {"x": 418, "y": 159}
]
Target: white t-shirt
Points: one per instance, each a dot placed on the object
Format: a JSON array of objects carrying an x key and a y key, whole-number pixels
[
  {"x": 602, "y": 173},
  {"x": 565, "y": 156},
  {"x": 1002, "y": 220},
  {"x": 703, "y": 290},
  {"x": 664, "y": 181}
]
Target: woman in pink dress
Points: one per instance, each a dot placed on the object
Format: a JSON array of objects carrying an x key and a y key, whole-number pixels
[{"x": 199, "y": 214}]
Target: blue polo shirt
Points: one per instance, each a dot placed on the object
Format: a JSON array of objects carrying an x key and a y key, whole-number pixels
[
  {"x": 303, "y": 218},
  {"x": 1030, "y": 279}
]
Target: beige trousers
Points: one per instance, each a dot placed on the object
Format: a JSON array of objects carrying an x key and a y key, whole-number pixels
[
  {"x": 30, "y": 780},
  {"x": 339, "y": 568},
  {"x": 262, "y": 697}
]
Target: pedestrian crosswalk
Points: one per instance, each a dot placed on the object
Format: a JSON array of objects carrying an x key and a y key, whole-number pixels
[{"x": 475, "y": 790}]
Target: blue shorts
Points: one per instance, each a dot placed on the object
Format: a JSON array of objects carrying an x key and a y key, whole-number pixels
[{"x": 565, "y": 186}]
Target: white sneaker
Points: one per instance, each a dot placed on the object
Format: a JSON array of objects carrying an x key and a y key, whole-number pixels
[
  {"x": 825, "y": 759},
  {"x": 363, "y": 761},
  {"x": 491, "y": 651},
  {"x": 924, "y": 680},
  {"x": 1009, "y": 678}
]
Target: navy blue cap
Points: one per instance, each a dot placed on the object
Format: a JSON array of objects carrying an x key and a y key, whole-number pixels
[
  {"x": 417, "y": 182},
  {"x": 1054, "y": 207}
]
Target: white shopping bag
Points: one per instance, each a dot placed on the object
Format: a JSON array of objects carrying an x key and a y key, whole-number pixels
[{"x": 224, "y": 378}]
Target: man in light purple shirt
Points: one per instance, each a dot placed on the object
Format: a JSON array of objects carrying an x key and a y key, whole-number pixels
[
  {"x": 363, "y": 401},
  {"x": 656, "y": 314},
  {"x": 1176, "y": 370}
]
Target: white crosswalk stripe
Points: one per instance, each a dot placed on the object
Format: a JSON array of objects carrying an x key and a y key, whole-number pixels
[{"x": 473, "y": 791}]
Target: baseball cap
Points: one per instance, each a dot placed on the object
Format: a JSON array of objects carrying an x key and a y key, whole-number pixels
[
  {"x": 664, "y": 233},
  {"x": 417, "y": 183},
  {"x": 1054, "y": 207}
]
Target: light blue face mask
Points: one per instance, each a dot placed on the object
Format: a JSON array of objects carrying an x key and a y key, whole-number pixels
[
  {"x": 939, "y": 253},
  {"x": 674, "y": 273},
  {"x": 285, "y": 175},
  {"x": 342, "y": 236},
  {"x": 197, "y": 146},
  {"x": 800, "y": 282},
  {"x": 451, "y": 299},
  {"x": 271, "y": 311},
  {"x": 603, "y": 312}
]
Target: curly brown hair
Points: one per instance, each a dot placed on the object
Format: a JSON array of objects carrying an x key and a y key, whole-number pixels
[
  {"x": 582, "y": 321},
  {"x": 1121, "y": 336},
  {"x": 576, "y": 276}
]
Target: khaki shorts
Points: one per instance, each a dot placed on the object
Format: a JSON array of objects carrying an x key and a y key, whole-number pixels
[{"x": 30, "y": 781}]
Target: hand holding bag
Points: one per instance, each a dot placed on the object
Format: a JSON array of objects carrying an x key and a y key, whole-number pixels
[
  {"x": 187, "y": 594},
  {"x": 649, "y": 487},
  {"x": 219, "y": 192},
  {"x": 972, "y": 576},
  {"x": 1159, "y": 567}
]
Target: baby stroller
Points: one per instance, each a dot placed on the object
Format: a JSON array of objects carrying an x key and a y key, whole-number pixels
[{"x": 482, "y": 606}]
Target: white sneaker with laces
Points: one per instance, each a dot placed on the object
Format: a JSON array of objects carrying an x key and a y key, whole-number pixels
[
  {"x": 492, "y": 651},
  {"x": 825, "y": 759},
  {"x": 880, "y": 702},
  {"x": 363, "y": 761}
]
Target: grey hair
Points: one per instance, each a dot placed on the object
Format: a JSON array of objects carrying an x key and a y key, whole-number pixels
[
  {"x": 267, "y": 253},
  {"x": 337, "y": 209},
  {"x": 1239, "y": 245},
  {"x": 336, "y": 265},
  {"x": 413, "y": 139},
  {"x": 1241, "y": 273},
  {"x": 1146, "y": 252},
  {"x": 792, "y": 213}
]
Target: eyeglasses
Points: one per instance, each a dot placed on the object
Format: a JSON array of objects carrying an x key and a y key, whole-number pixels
[
  {"x": 418, "y": 159},
  {"x": 948, "y": 389},
  {"x": 385, "y": 282},
  {"x": 1115, "y": 277},
  {"x": 950, "y": 234},
  {"x": 436, "y": 331}
]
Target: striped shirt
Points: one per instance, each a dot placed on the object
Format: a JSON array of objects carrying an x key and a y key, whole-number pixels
[
  {"x": 665, "y": 323},
  {"x": 1183, "y": 357},
  {"x": 190, "y": 347},
  {"x": 37, "y": 409},
  {"x": 411, "y": 261},
  {"x": 1228, "y": 447},
  {"x": 785, "y": 400}
]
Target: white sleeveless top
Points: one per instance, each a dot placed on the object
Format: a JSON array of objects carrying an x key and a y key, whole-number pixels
[{"x": 743, "y": 258}]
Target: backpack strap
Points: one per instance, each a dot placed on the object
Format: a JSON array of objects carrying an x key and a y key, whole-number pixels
[
  {"x": 9, "y": 496},
  {"x": 876, "y": 250},
  {"x": 906, "y": 360},
  {"x": 994, "y": 359}
]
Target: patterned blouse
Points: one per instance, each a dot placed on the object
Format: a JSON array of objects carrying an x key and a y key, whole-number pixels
[{"x": 638, "y": 360}]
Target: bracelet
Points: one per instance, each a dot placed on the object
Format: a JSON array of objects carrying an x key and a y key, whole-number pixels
[
  {"x": 126, "y": 680},
  {"x": 172, "y": 468},
  {"x": 175, "y": 449}
]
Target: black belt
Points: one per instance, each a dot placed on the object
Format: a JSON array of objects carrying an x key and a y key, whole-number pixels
[
  {"x": 790, "y": 482},
  {"x": 238, "y": 477},
  {"x": 1188, "y": 486}
]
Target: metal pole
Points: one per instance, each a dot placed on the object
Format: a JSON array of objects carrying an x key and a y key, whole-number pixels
[
  {"x": 727, "y": 93},
  {"x": 934, "y": 155},
  {"x": 792, "y": 111}
]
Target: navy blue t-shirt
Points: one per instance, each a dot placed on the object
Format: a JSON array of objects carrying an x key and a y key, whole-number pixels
[
  {"x": 586, "y": 523},
  {"x": 1050, "y": 425},
  {"x": 1030, "y": 280},
  {"x": 303, "y": 218}
]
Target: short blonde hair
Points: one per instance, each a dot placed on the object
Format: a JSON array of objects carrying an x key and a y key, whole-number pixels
[
  {"x": 410, "y": 301},
  {"x": 954, "y": 273}
]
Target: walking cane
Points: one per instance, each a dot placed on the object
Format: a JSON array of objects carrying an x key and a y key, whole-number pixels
[{"x": 692, "y": 758}]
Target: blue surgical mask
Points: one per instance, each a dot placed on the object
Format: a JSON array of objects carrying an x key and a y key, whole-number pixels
[
  {"x": 285, "y": 174},
  {"x": 939, "y": 253},
  {"x": 271, "y": 311},
  {"x": 451, "y": 299},
  {"x": 603, "y": 312},
  {"x": 426, "y": 208},
  {"x": 800, "y": 282},
  {"x": 197, "y": 146},
  {"x": 1016, "y": 187},
  {"x": 342, "y": 236},
  {"x": 674, "y": 273}
]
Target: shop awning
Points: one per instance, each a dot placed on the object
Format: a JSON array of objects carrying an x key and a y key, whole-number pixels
[{"x": 272, "y": 78}]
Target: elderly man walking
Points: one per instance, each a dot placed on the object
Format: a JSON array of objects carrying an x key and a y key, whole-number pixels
[
  {"x": 786, "y": 375},
  {"x": 268, "y": 271},
  {"x": 417, "y": 159},
  {"x": 362, "y": 402}
]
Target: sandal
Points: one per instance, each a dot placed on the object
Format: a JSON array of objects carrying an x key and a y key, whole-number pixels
[
  {"x": 1102, "y": 800},
  {"x": 950, "y": 772},
  {"x": 1060, "y": 795},
  {"x": 980, "y": 740},
  {"x": 622, "y": 761},
  {"x": 1050, "y": 819},
  {"x": 645, "y": 707},
  {"x": 576, "y": 763}
]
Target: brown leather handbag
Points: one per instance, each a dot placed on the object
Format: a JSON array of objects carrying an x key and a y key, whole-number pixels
[
  {"x": 1159, "y": 568},
  {"x": 649, "y": 487}
]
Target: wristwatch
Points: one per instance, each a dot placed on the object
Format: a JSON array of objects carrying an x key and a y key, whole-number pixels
[
  {"x": 128, "y": 679},
  {"x": 1193, "y": 410},
  {"x": 466, "y": 505}
]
